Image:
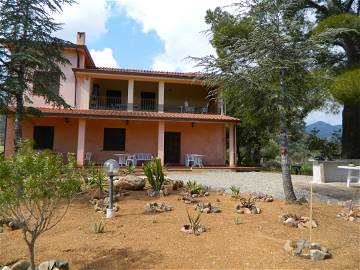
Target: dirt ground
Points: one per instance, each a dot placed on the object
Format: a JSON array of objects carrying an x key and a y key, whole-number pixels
[{"x": 134, "y": 240}]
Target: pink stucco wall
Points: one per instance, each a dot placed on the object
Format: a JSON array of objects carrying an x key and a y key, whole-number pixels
[
  {"x": 67, "y": 87},
  {"x": 141, "y": 136}
]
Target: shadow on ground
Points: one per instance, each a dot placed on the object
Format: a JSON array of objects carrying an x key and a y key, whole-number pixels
[{"x": 123, "y": 259}]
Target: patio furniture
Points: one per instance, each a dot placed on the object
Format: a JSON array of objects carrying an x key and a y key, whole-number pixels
[
  {"x": 131, "y": 159},
  {"x": 122, "y": 159},
  {"x": 353, "y": 173},
  {"x": 143, "y": 156},
  {"x": 296, "y": 167},
  {"x": 88, "y": 156},
  {"x": 194, "y": 160},
  {"x": 198, "y": 160}
]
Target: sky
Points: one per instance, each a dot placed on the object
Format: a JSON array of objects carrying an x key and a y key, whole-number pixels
[{"x": 147, "y": 34}]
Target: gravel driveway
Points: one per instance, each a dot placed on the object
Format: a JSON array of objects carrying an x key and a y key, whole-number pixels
[{"x": 270, "y": 183}]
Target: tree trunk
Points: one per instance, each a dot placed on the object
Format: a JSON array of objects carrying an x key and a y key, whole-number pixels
[
  {"x": 18, "y": 117},
  {"x": 31, "y": 247},
  {"x": 290, "y": 196},
  {"x": 351, "y": 131}
]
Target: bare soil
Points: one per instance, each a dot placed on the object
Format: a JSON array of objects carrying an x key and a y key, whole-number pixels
[{"x": 134, "y": 240}]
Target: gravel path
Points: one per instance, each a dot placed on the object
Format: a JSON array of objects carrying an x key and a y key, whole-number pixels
[{"x": 270, "y": 183}]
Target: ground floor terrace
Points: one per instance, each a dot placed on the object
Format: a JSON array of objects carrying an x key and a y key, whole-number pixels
[{"x": 162, "y": 135}]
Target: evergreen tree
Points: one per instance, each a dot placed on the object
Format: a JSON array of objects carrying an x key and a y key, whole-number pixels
[
  {"x": 29, "y": 56},
  {"x": 338, "y": 26},
  {"x": 269, "y": 61}
]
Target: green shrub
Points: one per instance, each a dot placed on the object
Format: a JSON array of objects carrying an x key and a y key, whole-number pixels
[
  {"x": 194, "y": 221},
  {"x": 194, "y": 187},
  {"x": 235, "y": 192},
  {"x": 130, "y": 169},
  {"x": 97, "y": 178},
  {"x": 35, "y": 191},
  {"x": 154, "y": 173},
  {"x": 99, "y": 227}
]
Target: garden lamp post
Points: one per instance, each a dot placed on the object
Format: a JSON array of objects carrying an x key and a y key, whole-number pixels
[{"x": 111, "y": 168}]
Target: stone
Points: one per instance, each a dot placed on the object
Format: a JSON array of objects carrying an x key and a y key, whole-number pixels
[
  {"x": 14, "y": 225},
  {"x": 240, "y": 211},
  {"x": 6, "y": 268},
  {"x": 258, "y": 210},
  {"x": 289, "y": 246},
  {"x": 247, "y": 211},
  {"x": 155, "y": 207},
  {"x": 206, "y": 210},
  {"x": 315, "y": 246},
  {"x": 290, "y": 222},
  {"x": 21, "y": 265},
  {"x": 44, "y": 266},
  {"x": 206, "y": 193},
  {"x": 62, "y": 264},
  {"x": 317, "y": 255},
  {"x": 129, "y": 182},
  {"x": 302, "y": 200},
  {"x": 215, "y": 210}
]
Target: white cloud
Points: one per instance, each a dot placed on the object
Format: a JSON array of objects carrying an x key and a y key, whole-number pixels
[
  {"x": 104, "y": 58},
  {"x": 179, "y": 24},
  {"x": 88, "y": 16}
]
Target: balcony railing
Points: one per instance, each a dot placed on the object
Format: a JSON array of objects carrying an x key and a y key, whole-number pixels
[
  {"x": 190, "y": 109},
  {"x": 107, "y": 103},
  {"x": 114, "y": 103}
]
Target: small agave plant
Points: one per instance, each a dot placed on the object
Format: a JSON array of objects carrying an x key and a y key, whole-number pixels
[
  {"x": 194, "y": 222},
  {"x": 99, "y": 227},
  {"x": 194, "y": 187},
  {"x": 235, "y": 192}
]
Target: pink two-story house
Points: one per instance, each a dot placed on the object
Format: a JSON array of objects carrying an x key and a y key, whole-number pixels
[{"x": 166, "y": 114}]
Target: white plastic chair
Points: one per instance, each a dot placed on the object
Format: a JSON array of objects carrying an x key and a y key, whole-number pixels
[
  {"x": 131, "y": 159},
  {"x": 122, "y": 160},
  {"x": 88, "y": 156},
  {"x": 198, "y": 161},
  {"x": 189, "y": 159}
]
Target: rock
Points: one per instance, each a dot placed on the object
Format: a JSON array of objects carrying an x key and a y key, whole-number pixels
[
  {"x": 155, "y": 207},
  {"x": 6, "y": 268},
  {"x": 290, "y": 222},
  {"x": 302, "y": 200},
  {"x": 206, "y": 193},
  {"x": 62, "y": 264},
  {"x": 21, "y": 265},
  {"x": 315, "y": 246},
  {"x": 14, "y": 225},
  {"x": 247, "y": 211},
  {"x": 129, "y": 182},
  {"x": 206, "y": 210},
  {"x": 215, "y": 210},
  {"x": 44, "y": 266},
  {"x": 240, "y": 211},
  {"x": 317, "y": 255},
  {"x": 289, "y": 246}
]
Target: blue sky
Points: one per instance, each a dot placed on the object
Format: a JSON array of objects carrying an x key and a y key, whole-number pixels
[{"x": 143, "y": 34}]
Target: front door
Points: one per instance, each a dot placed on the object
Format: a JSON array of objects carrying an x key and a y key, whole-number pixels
[{"x": 172, "y": 148}]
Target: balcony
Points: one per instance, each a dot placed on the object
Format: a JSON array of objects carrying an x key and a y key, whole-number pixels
[
  {"x": 190, "y": 109},
  {"x": 107, "y": 103}
]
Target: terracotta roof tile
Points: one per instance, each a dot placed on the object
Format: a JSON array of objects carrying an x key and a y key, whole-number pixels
[
  {"x": 138, "y": 115},
  {"x": 125, "y": 71}
]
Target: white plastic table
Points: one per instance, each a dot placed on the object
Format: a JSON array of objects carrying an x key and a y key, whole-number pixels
[
  {"x": 353, "y": 173},
  {"x": 122, "y": 159}
]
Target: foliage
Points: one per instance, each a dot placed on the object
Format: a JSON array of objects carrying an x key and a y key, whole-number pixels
[
  {"x": 130, "y": 169},
  {"x": 345, "y": 86},
  {"x": 247, "y": 203},
  {"x": 194, "y": 187},
  {"x": 99, "y": 227},
  {"x": 97, "y": 177},
  {"x": 33, "y": 186},
  {"x": 329, "y": 149},
  {"x": 28, "y": 46},
  {"x": 270, "y": 69},
  {"x": 194, "y": 221},
  {"x": 237, "y": 220},
  {"x": 235, "y": 192},
  {"x": 155, "y": 173}
]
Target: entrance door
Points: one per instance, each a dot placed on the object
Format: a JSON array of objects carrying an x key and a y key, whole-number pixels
[{"x": 172, "y": 148}]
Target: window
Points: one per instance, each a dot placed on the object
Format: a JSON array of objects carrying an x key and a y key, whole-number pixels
[
  {"x": 44, "y": 80},
  {"x": 114, "y": 139},
  {"x": 43, "y": 137}
]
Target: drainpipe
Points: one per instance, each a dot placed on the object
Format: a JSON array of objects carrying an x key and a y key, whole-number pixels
[
  {"x": 5, "y": 131},
  {"x": 77, "y": 65}
]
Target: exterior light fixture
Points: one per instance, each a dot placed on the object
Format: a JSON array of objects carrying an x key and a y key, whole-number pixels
[{"x": 111, "y": 168}]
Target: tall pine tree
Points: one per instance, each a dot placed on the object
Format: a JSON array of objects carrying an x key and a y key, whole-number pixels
[
  {"x": 29, "y": 56},
  {"x": 269, "y": 61}
]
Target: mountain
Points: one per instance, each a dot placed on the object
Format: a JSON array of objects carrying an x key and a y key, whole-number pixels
[{"x": 325, "y": 130}]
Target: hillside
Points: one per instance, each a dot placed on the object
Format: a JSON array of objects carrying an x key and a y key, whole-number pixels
[{"x": 325, "y": 130}]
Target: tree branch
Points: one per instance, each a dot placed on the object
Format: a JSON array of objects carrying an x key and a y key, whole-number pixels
[{"x": 348, "y": 5}]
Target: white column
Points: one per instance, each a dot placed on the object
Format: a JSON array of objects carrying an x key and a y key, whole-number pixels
[
  {"x": 232, "y": 145},
  {"x": 84, "y": 94},
  {"x": 81, "y": 142},
  {"x": 161, "y": 96},
  {"x": 161, "y": 138},
  {"x": 130, "y": 101}
]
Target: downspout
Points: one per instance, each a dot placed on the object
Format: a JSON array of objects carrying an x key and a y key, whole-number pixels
[{"x": 77, "y": 66}]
